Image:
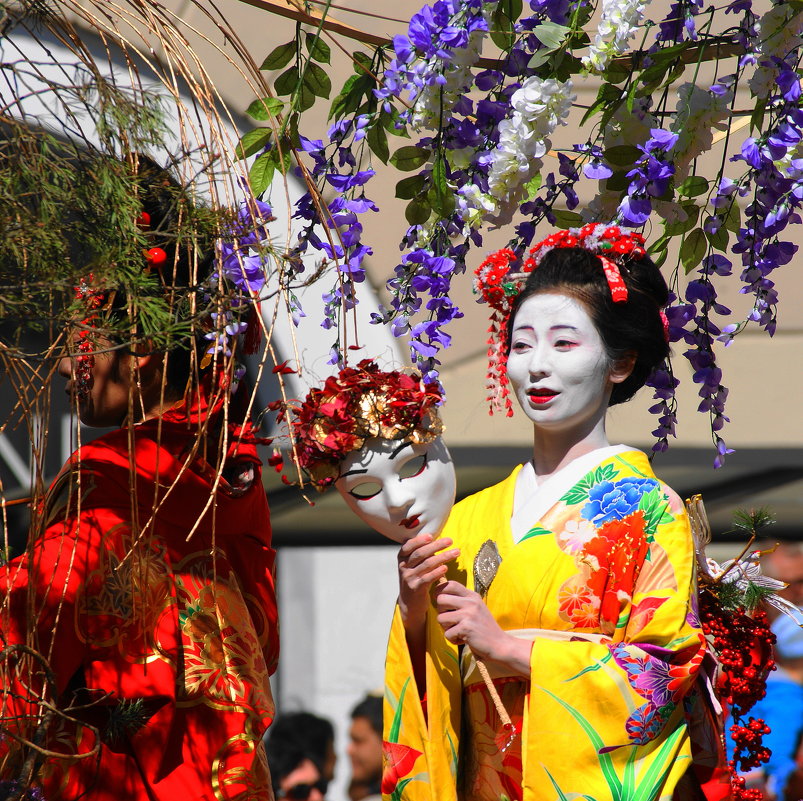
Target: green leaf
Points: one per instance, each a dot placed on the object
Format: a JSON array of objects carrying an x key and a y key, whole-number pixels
[
  {"x": 693, "y": 249},
  {"x": 362, "y": 62},
  {"x": 440, "y": 194},
  {"x": 551, "y": 35},
  {"x": 265, "y": 108},
  {"x": 304, "y": 97},
  {"x": 606, "y": 472},
  {"x": 567, "y": 219},
  {"x": 280, "y": 56},
  {"x": 733, "y": 218},
  {"x": 417, "y": 211},
  {"x": 536, "y": 531},
  {"x": 658, "y": 244},
  {"x": 409, "y": 158},
  {"x": 623, "y": 155},
  {"x": 348, "y": 101},
  {"x": 694, "y": 185},
  {"x": 608, "y": 97},
  {"x": 261, "y": 172},
  {"x": 618, "y": 182},
  {"x": 409, "y": 187},
  {"x": 540, "y": 57},
  {"x": 503, "y": 30},
  {"x": 286, "y": 83},
  {"x": 317, "y": 80},
  {"x": 389, "y": 119},
  {"x": 533, "y": 185},
  {"x": 252, "y": 142},
  {"x": 318, "y": 49},
  {"x": 617, "y": 72},
  {"x": 719, "y": 239},
  {"x": 378, "y": 142},
  {"x": 692, "y": 212},
  {"x": 395, "y": 726}
]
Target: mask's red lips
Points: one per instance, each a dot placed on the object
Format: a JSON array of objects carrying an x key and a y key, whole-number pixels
[{"x": 410, "y": 522}]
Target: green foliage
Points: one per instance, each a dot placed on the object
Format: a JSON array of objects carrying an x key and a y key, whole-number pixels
[
  {"x": 317, "y": 49},
  {"x": 126, "y": 718},
  {"x": 409, "y": 158},
  {"x": 693, "y": 249},
  {"x": 503, "y": 23},
  {"x": 280, "y": 56},
  {"x": 754, "y": 521},
  {"x": 265, "y": 108}
]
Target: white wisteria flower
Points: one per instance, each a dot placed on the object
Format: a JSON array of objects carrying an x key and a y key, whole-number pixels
[
  {"x": 620, "y": 19},
  {"x": 779, "y": 33},
  {"x": 698, "y": 113},
  {"x": 539, "y": 106}
]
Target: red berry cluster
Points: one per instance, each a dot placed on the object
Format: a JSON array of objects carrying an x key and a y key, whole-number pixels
[{"x": 743, "y": 645}]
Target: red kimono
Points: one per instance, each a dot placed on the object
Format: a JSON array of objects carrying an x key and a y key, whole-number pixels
[{"x": 160, "y": 648}]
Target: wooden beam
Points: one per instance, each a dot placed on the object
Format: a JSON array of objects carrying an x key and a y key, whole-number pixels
[{"x": 294, "y": 9}]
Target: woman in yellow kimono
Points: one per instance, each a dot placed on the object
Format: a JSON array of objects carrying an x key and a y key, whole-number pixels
[{"x": 582, "y": 605}]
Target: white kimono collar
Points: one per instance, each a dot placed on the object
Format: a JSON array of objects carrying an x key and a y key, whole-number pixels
[{"x": 532, "y": 500}]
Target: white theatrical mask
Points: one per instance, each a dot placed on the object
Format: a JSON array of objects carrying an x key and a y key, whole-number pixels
[
  {"x": 557, "y": 365},
  {"x": 398, "y": 488}
]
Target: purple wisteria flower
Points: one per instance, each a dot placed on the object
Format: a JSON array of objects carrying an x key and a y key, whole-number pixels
[{"x": 649, "y": 177}]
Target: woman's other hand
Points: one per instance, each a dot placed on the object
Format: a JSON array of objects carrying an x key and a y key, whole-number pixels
[
  {"x": 466, "y": 619},
  {"x": 422, "y": 561}
]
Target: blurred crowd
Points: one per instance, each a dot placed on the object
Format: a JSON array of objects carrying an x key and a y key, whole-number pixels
[{"x": 301, "y": 754}]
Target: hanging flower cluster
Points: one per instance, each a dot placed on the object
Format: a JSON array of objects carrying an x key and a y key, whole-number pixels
[{"x": 619, "y": 23}]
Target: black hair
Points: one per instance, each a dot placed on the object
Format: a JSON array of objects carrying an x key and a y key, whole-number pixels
[
  {"x": 293, "y": 738},
  {"x": 370, "y": 708},
  {"x": 631, "y": 326}
]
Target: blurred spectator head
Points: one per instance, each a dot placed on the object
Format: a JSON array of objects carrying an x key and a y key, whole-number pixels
[
  {"x": 789, "y": 643},
  {"x": 785, "y": 563},
  {"x": 300, "y": 749},
  {"x": 365, "y": 747}
]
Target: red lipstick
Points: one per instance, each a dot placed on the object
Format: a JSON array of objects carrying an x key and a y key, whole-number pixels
[
  {"x": 541, "y": 395},
  {"x": 410, "y": 522}
]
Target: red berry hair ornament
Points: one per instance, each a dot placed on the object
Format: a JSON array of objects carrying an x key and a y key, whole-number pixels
[{"x": 501, "y": 277}]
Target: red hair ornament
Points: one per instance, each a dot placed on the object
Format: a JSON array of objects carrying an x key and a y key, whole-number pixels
[{"x": 500, "y": 279}]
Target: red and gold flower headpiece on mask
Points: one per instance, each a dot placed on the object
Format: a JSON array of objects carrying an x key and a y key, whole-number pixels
[
  {"x": 501, "y": 277},
  {"x": 356, "y": 405}
]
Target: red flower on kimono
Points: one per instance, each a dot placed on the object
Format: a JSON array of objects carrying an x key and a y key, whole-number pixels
[
  {"x": 398, "y": 761},
  {"x": 619, "y": 550}
]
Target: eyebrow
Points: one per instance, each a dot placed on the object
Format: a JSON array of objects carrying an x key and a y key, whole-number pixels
[
  {"x": 560, "y": 326},
  {"x": 399, "y": 449},
  {"x": 353, "y": 473},
  {"x": 392, "y": 456}
]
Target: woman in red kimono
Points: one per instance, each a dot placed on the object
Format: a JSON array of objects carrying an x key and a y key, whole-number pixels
[{"x": 138, "y": 630}]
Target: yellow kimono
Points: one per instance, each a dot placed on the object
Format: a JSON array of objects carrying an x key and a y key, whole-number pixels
[{"x": 603, "y": 583}]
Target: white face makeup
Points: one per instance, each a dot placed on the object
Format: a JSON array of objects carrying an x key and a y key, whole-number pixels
[
  {"x": 557, "y": 364},
  {"x": 398, "y": 488}
]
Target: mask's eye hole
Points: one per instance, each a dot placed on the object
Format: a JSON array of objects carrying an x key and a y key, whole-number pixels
[
  {"x": 366, "y": 490},
  {"x": 413, "y": 467}
]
